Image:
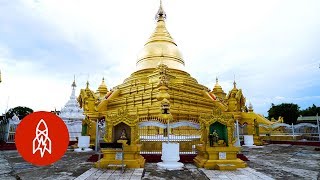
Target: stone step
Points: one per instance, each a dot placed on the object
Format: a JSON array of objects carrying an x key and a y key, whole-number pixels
[{"x": 226, "y": 167}]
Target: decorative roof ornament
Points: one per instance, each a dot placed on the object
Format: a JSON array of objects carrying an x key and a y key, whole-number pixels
[
  {"x": 163, "y": 72},
  {"x": 161, "y": 14},
  {"x": 87, "y": 84},
  {"x": 74, "y": 82},
  {"x": 234, "y": 82},
  {"x": 103, "y": 86},
  {"x": 217, "y": 85},
  {"x": 250, "y": 108},
  {"x": 102, "y": 90}
]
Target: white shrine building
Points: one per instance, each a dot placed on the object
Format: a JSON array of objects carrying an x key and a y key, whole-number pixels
[{"x": 72, "y": 115}]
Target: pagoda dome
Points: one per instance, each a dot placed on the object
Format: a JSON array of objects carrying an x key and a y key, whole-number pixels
[
  {"x": 218, "y": 91},
  {"x": 217, "y": 88},
  {"x": 160, "y": 48},
  {"x": 103, "y": 87},
  {"x": 217, "y": 85}
]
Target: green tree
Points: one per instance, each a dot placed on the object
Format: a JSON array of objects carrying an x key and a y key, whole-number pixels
[
  {"x": 310, "y": 111},
  {"x": 20, "y": 111},
  {"x": 289, "y": 112}
]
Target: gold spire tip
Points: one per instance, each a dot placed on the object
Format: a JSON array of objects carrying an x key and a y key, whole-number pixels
[
  {"x": 161, "y": 14},
  {"x": 87, "y": 83}
]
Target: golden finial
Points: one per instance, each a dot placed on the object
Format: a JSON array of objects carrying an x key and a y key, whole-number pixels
[
  {"x": 234, "y": 82},
  {"x": 217, "y": 80},
  {"x": 87, "y": 84},
  {"x": 0, "y": 77},
  {"x": 161, "y": 15}
]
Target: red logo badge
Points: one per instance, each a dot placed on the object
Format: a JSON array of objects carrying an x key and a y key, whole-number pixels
[{"x": 42, "y": 138}]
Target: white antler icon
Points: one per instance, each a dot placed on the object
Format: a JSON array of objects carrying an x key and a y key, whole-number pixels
[{"x": 42, "y": 141}]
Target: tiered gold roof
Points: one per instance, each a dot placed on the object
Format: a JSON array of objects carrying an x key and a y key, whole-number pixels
[
  {"x": 102, "y": 89},
  {"x": 218, "y": 91}
]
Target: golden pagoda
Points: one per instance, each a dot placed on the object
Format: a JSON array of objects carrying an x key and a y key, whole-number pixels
[{"x": 161, "y": 82}]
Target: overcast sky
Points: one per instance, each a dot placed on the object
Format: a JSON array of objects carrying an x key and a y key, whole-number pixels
[{"x": 271, "y": 47}]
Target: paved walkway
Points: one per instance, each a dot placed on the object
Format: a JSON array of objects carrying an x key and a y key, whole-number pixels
[
  {"x": 241, "y": 173},
  {"x": 189, "y": 172},
  {"x": 271, "y": 161},
  {"x": 6, "y": 171},
  {"x": 108, "y": 174},
  {"x": 283, "y": 161}
]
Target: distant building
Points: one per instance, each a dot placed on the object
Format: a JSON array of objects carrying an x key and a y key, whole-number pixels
[{"x": 307, "y": 119}]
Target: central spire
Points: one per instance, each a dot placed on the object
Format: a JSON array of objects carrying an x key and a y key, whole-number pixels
[
  {"x": 161, "y": 15},
  {"x": 160, "y": 47}
]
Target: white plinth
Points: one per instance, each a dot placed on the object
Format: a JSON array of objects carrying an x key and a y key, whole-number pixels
[
  {"x": 83, "y": 144},
  {"x": 170, "y": 157},
  {"x": 248, "y": 140}
]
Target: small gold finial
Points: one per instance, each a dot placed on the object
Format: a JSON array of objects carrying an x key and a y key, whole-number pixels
[
  {"x": 217, "y": 80},
  {"x": 0, "y": 77},
  {"x": 103, "y": 87}
]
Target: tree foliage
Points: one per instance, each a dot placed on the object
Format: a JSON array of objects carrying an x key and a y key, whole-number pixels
[
  {"x": 289, "y": 112},
  {"x": 310, "y": 111},
  {"x": 20, "y": 111}
]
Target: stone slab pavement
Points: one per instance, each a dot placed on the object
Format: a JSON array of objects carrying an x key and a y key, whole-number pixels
[
  {"x": 189, "y": 172},
  {"x": 111, "y": 174},
  {"x": 271, "y": 161},
  {"x": 72, "y": 165},
  {"x": 283, "y": 161}
]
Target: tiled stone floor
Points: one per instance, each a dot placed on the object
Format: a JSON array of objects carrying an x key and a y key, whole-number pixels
[
  {"x": 189, "y": 172},
  {"x": 244, "y": 173},
  {"x": 270, "y": 161},
  {"x": 108, "y": 174}
]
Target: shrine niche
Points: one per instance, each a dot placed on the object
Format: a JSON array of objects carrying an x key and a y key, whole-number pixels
[
  {"x": 218, "y": 134},
  {"x": 122, "y": 132}
]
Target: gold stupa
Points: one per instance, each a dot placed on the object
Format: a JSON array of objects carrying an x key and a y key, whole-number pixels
[{"x": 160, "y": 79}]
